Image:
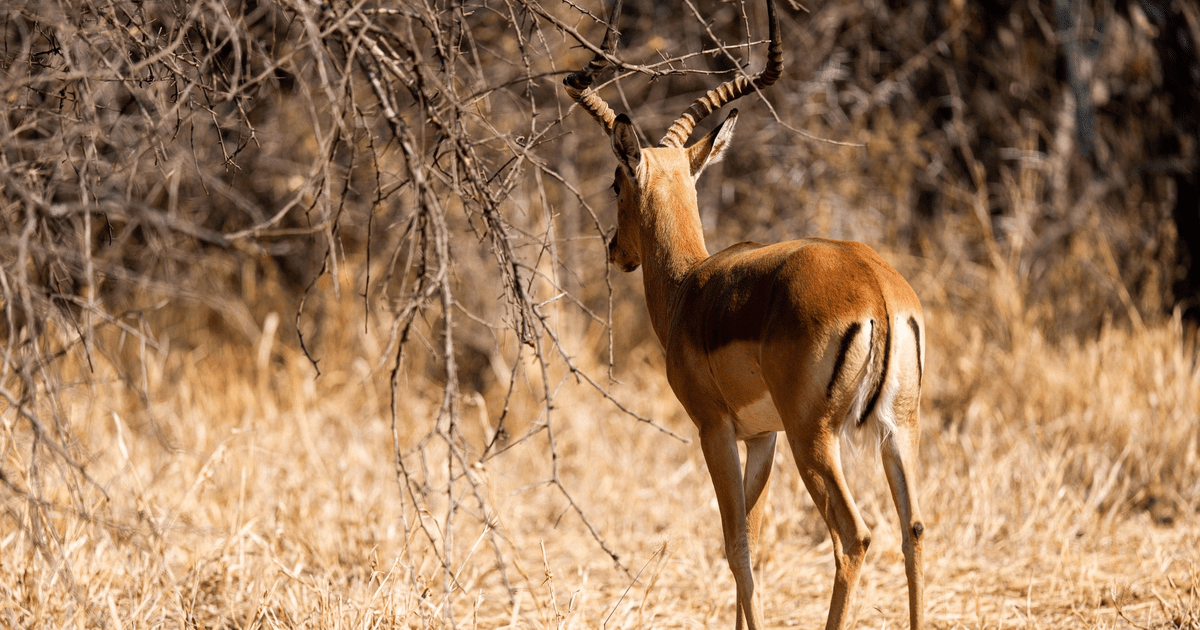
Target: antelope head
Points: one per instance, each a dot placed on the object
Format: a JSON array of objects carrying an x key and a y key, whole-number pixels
[{"x": 656, "y": 187}]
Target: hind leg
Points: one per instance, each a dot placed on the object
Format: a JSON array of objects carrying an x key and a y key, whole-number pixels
[
  {"x": 818, "y": 456},
  {"x": 899, "y": 457}
]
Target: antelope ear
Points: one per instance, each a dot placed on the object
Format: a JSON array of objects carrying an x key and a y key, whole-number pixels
[
  {"x": 711, "y": 148},
  {"x": 625, "y": 143}
]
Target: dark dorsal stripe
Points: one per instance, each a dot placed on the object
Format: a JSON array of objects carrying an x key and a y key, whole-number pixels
[
  {"x": 887, "y": 356},
  {"x": 912, "y": 323},
  {"x": 838, "y": 364}
]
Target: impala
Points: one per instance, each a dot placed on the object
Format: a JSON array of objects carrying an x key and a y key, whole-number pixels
[{"x": 811, "y": 337}]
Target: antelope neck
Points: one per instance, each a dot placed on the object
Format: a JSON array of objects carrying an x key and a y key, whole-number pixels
[{"x": 672, "y": 245}]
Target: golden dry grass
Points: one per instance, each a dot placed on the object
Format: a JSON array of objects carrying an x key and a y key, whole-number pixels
[
  {"x": 231, "y": 487},
  {"x": 1059, "y": 484}
]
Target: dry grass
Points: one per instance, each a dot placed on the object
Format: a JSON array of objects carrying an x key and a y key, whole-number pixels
[
  {"x": 169, "y": 457},
  {"x": 1059, "y": 485}
]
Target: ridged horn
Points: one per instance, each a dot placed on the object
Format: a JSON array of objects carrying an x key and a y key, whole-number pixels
[
  {"x": 578, "y": 83},
  {"x": 731, "y": 90}
]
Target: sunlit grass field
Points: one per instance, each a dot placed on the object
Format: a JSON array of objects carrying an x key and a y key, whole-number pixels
[
  {"x": 1059, "y": 482},
  {"x": 225, "y": 211}
]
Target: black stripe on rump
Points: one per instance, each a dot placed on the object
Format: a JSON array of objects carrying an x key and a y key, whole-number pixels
[
  {"x": 887, "y": 356},
  {"x": 912, "y": 323},
  {"x": 848, "y": 339}
]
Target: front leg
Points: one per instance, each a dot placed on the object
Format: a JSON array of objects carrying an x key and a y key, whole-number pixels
[
  {"x": 718, "y": 440},
  {"x": 760, "y": 457}
]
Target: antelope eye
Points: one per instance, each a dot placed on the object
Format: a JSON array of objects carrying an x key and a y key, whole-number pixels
[{"x": 616, "y": 188}]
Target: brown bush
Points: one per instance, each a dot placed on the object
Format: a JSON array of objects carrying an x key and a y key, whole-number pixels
[{"x": 305, "y": 320}]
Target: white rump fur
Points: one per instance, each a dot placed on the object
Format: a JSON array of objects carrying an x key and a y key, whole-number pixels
[
  {"x": 866, "y": 377},
  {"x": 882, "y": 420}
]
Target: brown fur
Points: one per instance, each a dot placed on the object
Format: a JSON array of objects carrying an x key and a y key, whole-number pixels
[{"x": 757, "y": 339}]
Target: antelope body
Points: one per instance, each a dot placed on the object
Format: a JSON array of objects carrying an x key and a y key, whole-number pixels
[{"x": 810, "y": 337}]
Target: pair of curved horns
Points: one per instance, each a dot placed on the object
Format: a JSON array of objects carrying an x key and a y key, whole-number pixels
[{"x": 578, "y": 84}]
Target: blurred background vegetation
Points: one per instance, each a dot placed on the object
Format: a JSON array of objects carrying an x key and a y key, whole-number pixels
[{"x": 404, "y": 187}]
